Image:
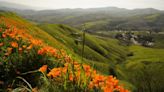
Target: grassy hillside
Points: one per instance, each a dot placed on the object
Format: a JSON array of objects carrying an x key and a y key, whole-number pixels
[
  {"x": 32, "y": 60},
  {"x": 145, "y": 69},
  {"x": 159, "y": 40},
  {"x": 14, "y": 20},
  {"x": 99, "y": 50},
  {"x": 55, "y": 47}
]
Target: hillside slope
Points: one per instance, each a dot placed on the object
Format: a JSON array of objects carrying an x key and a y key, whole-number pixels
[
  {"x": 98, "y": 51},
  {"x": 54, "y": 46},
  {"x": 145, "y": 68},
  {"x": 29, "y": 63},
  {"x": 13, "y": 19}
]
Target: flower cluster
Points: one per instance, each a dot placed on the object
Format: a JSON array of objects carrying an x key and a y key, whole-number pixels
[
  {"x": 12, "y": 40},
  {"x": 87, "y": 76},
  {"x": 48, "y": 50}
]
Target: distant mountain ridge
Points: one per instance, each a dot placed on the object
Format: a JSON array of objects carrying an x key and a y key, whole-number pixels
[{"x": 96, "y": 19}]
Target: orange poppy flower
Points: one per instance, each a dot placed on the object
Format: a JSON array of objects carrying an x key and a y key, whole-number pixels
[
  {"x": 4, "y": 35},
  {"x": 14, "y": 44},
  {"x": 91, "y": 85},
  {"x": 1, "y": 44},
  {"x": 43, "y": 68},
  {"x": 71, "y": 77},
  {"x": 24, "y": 46},
  {"x": 108, "y": 89},
  {"x": 40, "y": 52},
  {"x": 55, "y": 72},
  {"x": 20, "y": 50},
  {"x": 29, "y": 47},
  {"x": 86, "y": 68},
  {"x": 0, "y": 29},
  {"x": 9, "y": 49}
]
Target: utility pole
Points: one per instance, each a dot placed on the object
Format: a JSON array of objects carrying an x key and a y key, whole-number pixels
[{"x": 83, "y": 41}]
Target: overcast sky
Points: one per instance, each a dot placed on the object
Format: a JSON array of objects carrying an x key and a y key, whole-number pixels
[{"x": 56, "y": 4}]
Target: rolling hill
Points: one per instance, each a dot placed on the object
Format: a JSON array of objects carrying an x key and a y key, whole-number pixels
[
  {"x": 141, "y": 71},
  {"x": 41, "y": 56},
  {"x": 145, "y": 68},
  {"x": 100, "y": 52},
  {"x": 96, "y": 19},
  {"x": 109, "y": 18},
  {"x": 103, "y": 19}
]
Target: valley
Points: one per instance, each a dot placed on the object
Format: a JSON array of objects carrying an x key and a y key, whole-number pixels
[
  {"x": 119, "y": 43},
  {"x": 129, "y": 62}
]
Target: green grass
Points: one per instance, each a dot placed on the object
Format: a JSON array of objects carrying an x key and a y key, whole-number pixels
[
  {"x": 152, "y": 18},
  {"x": 22, "y": 68},
  {"x": 99, "y": 50},
  {"x": 145, "y": 69},
  {"x": 95, "y": 24},
  {"x": 31, "y": 29},
  {"x": 159, "y": 40},
  {"x": 146, "y": 54},
  {"x": 102, "y": 53}
]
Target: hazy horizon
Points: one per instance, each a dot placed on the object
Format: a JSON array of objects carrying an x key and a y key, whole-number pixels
[{"x": 56, "y": 4}]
